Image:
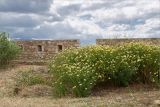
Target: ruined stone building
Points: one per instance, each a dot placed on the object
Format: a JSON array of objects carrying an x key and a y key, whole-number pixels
[
  {"x": 43, "y": 50},
  {"x": 37, "y": 51}
]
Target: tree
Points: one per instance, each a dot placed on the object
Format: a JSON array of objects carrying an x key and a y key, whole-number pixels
[{"x": 8, "y": 49}]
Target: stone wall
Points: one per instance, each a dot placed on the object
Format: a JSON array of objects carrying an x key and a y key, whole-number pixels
[
  {"x": 37, "y": 51},
  {"x": 40, "y": 51},
  {"x": 111, "y": 42}
]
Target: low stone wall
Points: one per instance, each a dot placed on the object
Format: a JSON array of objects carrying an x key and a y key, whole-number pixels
[
  {"x": 40, "y": 51},
  {"x": 111, "y": 42}
]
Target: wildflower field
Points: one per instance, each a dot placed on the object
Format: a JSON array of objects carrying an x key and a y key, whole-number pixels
[{"x": 76, "y": 72}]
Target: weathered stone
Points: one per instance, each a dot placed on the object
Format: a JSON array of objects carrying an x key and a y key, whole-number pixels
[
  {"x": 111, "y": 42},
  {"x": 37, "y": 51},
  {"x": 43, "y": 50},
  {"x": 157, "y": 102}
]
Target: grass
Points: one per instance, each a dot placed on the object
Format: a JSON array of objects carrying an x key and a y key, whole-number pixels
[
  {"x": 133, "y": 96},
  {"x": 137, "y": 99}
]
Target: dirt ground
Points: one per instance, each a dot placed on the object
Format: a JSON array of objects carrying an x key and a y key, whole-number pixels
[{"x": 139, "y": 96}]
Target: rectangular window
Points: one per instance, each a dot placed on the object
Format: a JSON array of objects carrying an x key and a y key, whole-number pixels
[
  {"x": 59, "y": 48},
  {"x": 40, "y": 48}
]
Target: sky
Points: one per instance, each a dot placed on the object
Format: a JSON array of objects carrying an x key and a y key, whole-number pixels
[{"x": 80, "y": 19}]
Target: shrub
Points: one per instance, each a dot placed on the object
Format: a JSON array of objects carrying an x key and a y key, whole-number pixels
[
  {"x": 144, "y": 61},
  {"x": 77, "y": 71},
  {"x": 74, "y": 71},
  {"x": 8, "y": 50}
]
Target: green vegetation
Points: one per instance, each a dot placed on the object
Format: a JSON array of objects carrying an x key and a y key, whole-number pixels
[
  {"x": 76, "y": 71},
  {"x": 8, "y": 50},
  {"x": 30, "y": 77}
]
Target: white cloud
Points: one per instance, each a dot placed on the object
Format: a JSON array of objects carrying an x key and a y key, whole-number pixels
[
  {"x": 85, "y": 27},
  {"x": 150, "y": 28},
  {"x": 130, "y": 12},
  {"x": 117, "y": 27},
  {"x": 84, "y": 19}
]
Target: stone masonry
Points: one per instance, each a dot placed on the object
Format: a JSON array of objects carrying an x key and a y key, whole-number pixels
[
  {"x": 40, "y": 51},
  {"x": 111, "y": 42},
  {"x": 35, "y": 51}
]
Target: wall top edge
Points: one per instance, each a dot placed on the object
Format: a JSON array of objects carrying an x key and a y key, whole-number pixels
[{"x": 128, "y": 39}]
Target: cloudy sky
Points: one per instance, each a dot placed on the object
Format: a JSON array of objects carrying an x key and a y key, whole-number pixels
[{"x": 80, "y": 19}]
